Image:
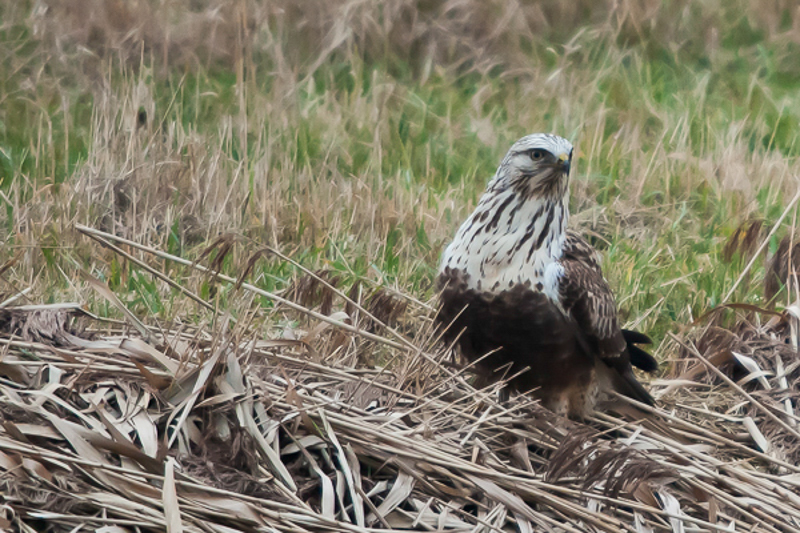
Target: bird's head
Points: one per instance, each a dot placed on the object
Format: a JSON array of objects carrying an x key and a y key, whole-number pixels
[{"x": 537, "y": 165}]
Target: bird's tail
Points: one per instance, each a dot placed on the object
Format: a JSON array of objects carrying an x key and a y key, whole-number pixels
[
  {"x": 630, "y": 387},
  {"x": 622, "y": 381},
  {"x": 627, "y": 383}
]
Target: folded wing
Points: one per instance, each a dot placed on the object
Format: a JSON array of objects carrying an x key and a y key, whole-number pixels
[{"x": 587, "y": 299}]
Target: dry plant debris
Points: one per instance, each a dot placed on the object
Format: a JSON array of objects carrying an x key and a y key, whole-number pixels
[{"x": 218, "y": 429}]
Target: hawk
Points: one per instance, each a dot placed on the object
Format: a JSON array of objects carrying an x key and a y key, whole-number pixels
[{"x": 524, "y": 298}]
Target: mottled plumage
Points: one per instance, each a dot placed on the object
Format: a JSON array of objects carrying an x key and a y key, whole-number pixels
[{"x": 520, "y": 287}]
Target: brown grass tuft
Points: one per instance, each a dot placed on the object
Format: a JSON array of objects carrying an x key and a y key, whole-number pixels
[
  {"x": 782, "y": 269},
  {"x": 744, "y": 240}
]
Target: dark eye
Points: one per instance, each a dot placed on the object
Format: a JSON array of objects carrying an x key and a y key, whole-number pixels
[{"x": 536, "y": 155}]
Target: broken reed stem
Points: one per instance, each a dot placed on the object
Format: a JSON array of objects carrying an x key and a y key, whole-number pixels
[{"x": 160, "y": 275}]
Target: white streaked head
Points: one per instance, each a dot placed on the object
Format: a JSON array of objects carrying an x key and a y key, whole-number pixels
[
  {"x": 517, "y": 231},
  {"x": 536, "y": 165}
]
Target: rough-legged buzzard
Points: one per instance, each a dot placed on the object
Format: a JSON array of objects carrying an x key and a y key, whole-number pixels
[{"x": 525, "y": 297}]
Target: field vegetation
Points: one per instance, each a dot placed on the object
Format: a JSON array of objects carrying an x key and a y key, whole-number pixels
[
  {"x": 356, "y": 136},
  {"x": 353, "y": 137}
]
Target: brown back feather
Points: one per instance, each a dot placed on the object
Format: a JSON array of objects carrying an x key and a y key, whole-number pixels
[{"x": 586, "y": 297}]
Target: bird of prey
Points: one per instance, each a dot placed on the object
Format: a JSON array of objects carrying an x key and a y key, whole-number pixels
[{"x": 524, "y": 299}]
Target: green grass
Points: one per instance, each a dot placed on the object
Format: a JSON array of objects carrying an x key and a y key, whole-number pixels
[{"x": 362, "y": 151}]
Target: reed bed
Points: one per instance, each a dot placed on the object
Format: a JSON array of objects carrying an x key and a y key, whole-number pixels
[{"x": 130, "y": 425}]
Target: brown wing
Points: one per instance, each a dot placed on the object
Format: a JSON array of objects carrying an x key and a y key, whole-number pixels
[{"x": 587, "y": 298}]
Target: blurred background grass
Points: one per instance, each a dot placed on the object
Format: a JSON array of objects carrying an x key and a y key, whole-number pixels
[{"x": 355, "y": 136}]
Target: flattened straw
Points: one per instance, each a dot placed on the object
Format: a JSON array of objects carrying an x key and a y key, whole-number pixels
[
  {"x": 403, "y": 446},
  {"x": 761, "y": 407},
  {"x": 729, "y": 500},
  {"x": 695, "y": 468},
  {"x": 515, "y": 503},
  {"x": 633, "y": 504},
  {"x": 714, "y": 436}
]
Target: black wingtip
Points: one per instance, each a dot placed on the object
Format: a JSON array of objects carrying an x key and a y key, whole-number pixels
[
  {"x": 636, "y": 337},
  {"x": 639, "y": 358}
]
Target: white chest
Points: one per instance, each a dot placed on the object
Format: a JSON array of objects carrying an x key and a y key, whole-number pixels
[{"x": 505, "y": 242}]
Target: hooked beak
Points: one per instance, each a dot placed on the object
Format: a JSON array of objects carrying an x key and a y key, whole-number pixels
[{"x": 563, "y": 162}]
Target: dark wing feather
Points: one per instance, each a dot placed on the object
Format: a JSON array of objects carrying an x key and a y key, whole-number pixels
[
  {"x": 636, "y": 337},
  {"x": 587, "y": 298},
  {"x": 639, "y": 358}
]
